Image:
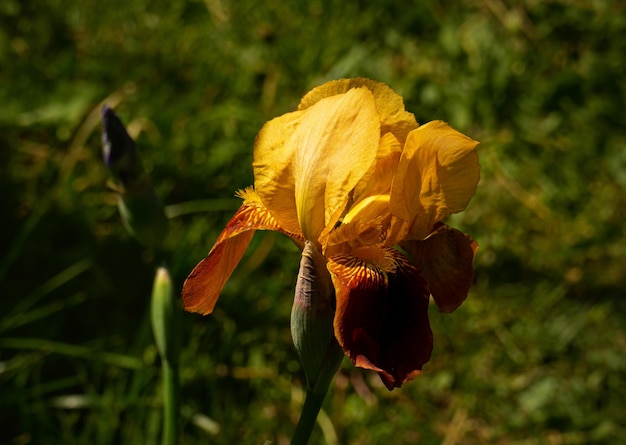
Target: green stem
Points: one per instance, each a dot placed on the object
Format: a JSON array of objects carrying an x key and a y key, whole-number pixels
[
  {"x": 170, "y": 403},
  {"x": 308, "y": 416},
  {"x": 316, "y": 393}
]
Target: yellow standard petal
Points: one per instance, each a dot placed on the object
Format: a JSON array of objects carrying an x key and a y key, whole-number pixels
[
  {"x": 390, "y": 105},
  {"x": 436, "y": 177},
  {"x": 274, "y": 181},
  {"x": 335, "y": 145},
  {"x": 378, "y": 180}
]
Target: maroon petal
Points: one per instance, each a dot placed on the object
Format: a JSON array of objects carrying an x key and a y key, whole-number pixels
[
  {"x": 381, "y": 319},
  {"x": 445, "y": 258}
]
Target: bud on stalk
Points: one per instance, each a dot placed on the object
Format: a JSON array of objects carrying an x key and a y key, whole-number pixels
[
  {"x": 165, "y": 315},
  {"x": 142, "y": 212},
  {"x": 312, "y": 320}
]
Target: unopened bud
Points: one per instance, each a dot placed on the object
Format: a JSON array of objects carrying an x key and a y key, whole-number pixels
[
  {"x": 118, "y": 149},
  {"x": 142, "y": 212},
  {"x": 312, "y": 320},
  {"x": 165, "y": 316}
]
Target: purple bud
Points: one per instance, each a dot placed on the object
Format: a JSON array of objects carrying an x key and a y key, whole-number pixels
[{"x": 118, "y": 148}]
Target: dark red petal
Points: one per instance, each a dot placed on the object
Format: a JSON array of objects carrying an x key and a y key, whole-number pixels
[
  {"x": 381, "y": 319},
  {"x": 445, "y": 258},
  {"x": 361, "y": 306},
  {"x": 407, "y": 334}
]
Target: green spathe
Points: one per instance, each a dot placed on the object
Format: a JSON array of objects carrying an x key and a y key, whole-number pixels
[
  {"x": 165, "y": 316},
  {"x": 313, "y": 336},
  {"x": 312, "y": 319}
]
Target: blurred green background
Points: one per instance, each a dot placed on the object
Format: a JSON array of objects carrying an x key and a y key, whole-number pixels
[{"x": 537, "y": 355}]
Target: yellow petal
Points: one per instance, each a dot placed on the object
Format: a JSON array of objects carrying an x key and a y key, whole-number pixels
[
  {"x": 436, "y": 177},
  {"x": 273, "y": 168},
  {"x": 363, "y": 225},
  {"x": 398, "y": 230},
  {"x": 390, "y": 106},
  {"x": 335, "y": 145},
  {"x": 378, "y": 180},
  {"x": 205, "y": 283},
  {"x": 375, "y": 183}
]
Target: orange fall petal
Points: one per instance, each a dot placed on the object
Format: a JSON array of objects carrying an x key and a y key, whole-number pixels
[{"x": 205, "y": 283}]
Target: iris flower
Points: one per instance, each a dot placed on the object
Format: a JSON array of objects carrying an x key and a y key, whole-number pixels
[{"x": 352, "y": 173}]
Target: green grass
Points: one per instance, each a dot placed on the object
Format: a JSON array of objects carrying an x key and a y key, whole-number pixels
[{"x": 535, "y": 356}]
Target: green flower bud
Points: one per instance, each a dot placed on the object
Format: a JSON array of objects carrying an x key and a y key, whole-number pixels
[
  {"x": 165, "y": 317},
  {"x": 312, "y": 320}
]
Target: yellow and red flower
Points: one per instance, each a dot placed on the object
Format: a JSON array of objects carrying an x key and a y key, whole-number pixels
[{"x": 353, "y": 173}]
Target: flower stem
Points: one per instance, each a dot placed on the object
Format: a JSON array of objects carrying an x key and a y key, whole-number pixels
[
  {"x": 170, "y": 403},
  {"x": 308, "y": 416},
  {"x": 316, "y": 393}
]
